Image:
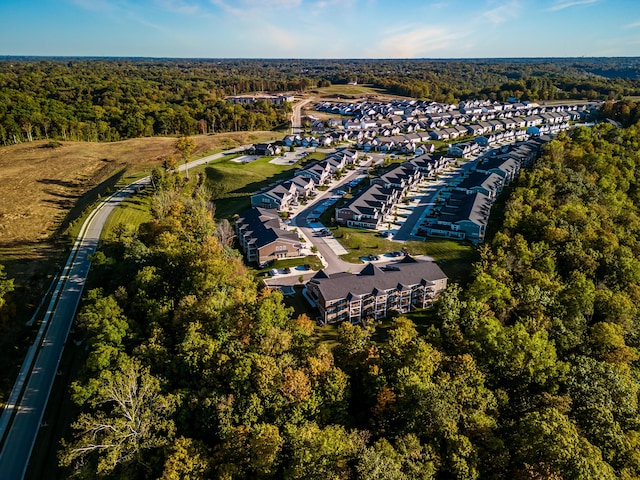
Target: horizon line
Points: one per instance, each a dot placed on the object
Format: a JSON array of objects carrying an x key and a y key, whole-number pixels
[{"x": 139, "y": 57}]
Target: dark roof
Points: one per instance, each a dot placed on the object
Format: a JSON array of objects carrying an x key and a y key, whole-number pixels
[
  {"x": 489, "y": 181},
  {"x": 398, "y": 174},
  {"x": 501, "y": 162},
  {"x": 405, "y": 274},
  {"x": 263, "y": 227},
  {"x": 372, "y": 199},
  {"x": 462, "y": 206}
]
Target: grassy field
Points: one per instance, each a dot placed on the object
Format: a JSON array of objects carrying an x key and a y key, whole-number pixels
[
  {"x": 132, "y": 212},
  {"x": 233, "y": 183},
  {"x": 455, "y": 258},
  {"x": 352, "y": 92},
  {"x": 45, "y": 189}
]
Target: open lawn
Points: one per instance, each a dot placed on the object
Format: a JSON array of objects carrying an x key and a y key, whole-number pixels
[
  {"x": 352, "y": 92},
  {"x": 131, "y": 212},
  {"x": 455, "y": 258},
  {"x": 233, "y": 183}
]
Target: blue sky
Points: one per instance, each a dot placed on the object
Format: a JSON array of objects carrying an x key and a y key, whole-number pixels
[{"x": 320, "y": 28}]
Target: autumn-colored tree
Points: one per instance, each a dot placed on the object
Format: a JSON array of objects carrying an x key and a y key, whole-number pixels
[{"x": 185, "y": 147}]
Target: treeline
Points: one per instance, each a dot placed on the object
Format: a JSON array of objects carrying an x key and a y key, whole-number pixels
[
  {"x": 529, "y": 372},
  {"x": 111, "y": 100},
  {"x": 114, "y": 99},
  {"x": 627, "y": 112}
]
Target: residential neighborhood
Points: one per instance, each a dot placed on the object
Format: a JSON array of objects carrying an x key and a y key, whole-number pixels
[
  {"x": 457, "y": 190},
  {"x": 407, "y": 126}
]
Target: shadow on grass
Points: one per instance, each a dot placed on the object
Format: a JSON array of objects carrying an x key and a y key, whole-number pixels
[
  {"x": 58, "y": 182},
  {"x": 102, "y": 189}
]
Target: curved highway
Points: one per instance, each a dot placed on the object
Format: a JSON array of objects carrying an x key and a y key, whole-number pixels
[{"x": 22, "y": 416}]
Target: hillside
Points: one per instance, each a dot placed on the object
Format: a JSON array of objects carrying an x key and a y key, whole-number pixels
[{"x": 44, "y": 189}]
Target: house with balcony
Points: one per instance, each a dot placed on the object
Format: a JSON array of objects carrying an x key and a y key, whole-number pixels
[
  {"x": 464, "y": 217},
  {"x": 369, "y": 208},
  {"x": 489, "y": 184},
  {"x": 374, "y": 292},
  {"x": 506, "y": 166},
  {"x": 262, "y": 239},
  {"x": 278, "y": 196},
  {"x": 403, "y": 177},
  {"x": 264, "y": 149},
  {"x": 319, "y": 172}
]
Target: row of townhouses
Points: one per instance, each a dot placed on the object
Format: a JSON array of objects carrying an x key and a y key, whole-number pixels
[
  {"x": 467, "y": 204},
  {"x": 405, "y": 126},
  {"x": 280, "y": 196},
  {"x": 375, "y": 292},
  {"x": 262, "y": 238},
  {"x": 433, "y": 115},
  {"x": 374, "y": 205},
  {"x": 381, "y": 139},
  {"x": 259, "y": 229}
]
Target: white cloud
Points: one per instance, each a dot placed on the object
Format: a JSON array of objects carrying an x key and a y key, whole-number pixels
[
  {"x": 179, "y": 6},
  {"x": 96, "y": 5},
  {"x": 269, "y": 4},
  {"x": 632, "y": 25},
  {"x": 415, "y": 42},
  {"x": 339, "y": 4},
  {"x": 225, "y": 7},
  {"x": 242, "y": 7},
  {"x": 503, "y": 13},
  {"x": 280, "y": 38},
  {"x": 147, "y": 23},
  {"x": 562, "y": 4}
]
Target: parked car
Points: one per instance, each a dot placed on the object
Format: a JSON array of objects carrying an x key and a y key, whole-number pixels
[
  {"x": 273, "y": 272},
  {"x": 397, "y": 253},
  {"x": 306, "y": 266},
  {"x": 287, "y": 270}
]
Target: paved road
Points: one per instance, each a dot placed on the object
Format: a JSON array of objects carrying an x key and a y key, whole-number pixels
[
  {"x": 301, "y": 220},
  {"x": 28, "y": 400},
  {"x": 296, "y": 117},
  {"x": 28, "y": 415}
]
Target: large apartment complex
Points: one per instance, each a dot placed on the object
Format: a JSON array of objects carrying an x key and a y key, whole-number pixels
[{"x": 374, "y": 292}]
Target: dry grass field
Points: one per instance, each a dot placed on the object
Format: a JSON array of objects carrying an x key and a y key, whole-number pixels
[
  {"x": 43, "y": 189},
  {"x": 341, "y": 93}
]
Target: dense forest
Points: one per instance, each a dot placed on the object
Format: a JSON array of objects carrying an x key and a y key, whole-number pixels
[
  {"x": 112, "y": 99},
  {"x": 528, "y": 372}
]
